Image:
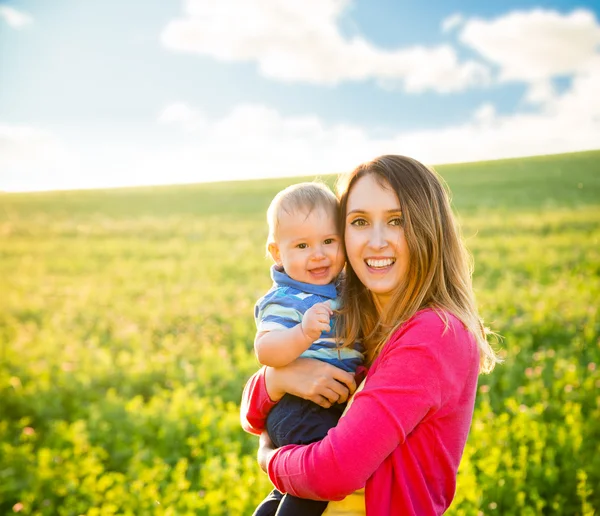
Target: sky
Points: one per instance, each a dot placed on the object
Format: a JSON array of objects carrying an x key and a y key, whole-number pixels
[{"x": 108, "y": 93}]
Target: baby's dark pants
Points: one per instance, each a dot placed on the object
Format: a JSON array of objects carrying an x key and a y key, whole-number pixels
[{"x": 297, "y": 421}]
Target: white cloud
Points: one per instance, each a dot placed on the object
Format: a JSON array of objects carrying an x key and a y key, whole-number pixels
[
  {"x": 540, "y": 92},
  {"x": 579, "y": 104},
  {"x": 301, "y": 41},
  {"x": 30, "y": 155},
  {"x": 19, "y": 143},
  {"x": 535, "y": 45},
  {"x": 14, "y": 18},
  {"x": 257, "y": 141},
  {"x": 485, "y": 114},
  {"x": 451, "y": 22},
  {"x": 538, "y": 46},
  {"x": 567, "y": 122},
  {"x": 179, "y": 113}
]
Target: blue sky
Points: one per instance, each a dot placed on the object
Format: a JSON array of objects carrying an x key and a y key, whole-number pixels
[{"x": 106, "y": 93}]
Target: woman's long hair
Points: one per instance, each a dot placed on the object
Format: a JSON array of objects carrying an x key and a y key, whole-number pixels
[{"x": 439, "y": 269}]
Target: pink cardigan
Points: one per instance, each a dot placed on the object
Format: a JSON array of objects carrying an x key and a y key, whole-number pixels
[{"x": 405, "y": 433}]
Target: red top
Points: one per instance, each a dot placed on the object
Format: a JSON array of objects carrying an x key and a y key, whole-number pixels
[{"x": 405, "y": 433}]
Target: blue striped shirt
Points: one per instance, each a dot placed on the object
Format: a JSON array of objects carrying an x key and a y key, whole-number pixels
[{"x": 283, "y": 307}]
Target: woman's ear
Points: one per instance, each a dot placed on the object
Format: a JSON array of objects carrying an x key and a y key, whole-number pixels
[{"x": 275, "y": 254}]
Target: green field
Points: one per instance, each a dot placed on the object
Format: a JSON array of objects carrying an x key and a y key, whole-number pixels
[{"x": 126, "y": 336}]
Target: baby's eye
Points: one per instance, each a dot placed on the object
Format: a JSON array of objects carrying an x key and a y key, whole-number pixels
[
  {"x": 396, "y": 221},
  {"x": 328, "y": 241},
  {"x": 359, "y": 222},
  {"x": 302, "y": 246}
]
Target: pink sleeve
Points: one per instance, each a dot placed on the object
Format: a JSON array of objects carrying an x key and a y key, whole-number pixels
[
  {"x": 406, "y": 384},
  {"x": 256, "y": 404}
]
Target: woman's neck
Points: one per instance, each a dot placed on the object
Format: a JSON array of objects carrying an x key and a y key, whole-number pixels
[{"x": 380, "y": 303}]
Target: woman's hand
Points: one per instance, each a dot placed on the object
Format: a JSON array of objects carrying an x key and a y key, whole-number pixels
[
  {"x": 310, "y": 379},
  {"x": 265, "y": 450}
]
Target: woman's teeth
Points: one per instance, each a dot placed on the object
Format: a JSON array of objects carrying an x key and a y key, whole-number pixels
[{"x": 378, "y": 264}]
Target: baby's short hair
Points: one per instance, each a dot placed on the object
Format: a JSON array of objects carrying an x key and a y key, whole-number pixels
[{"x": 301, "y": 197}]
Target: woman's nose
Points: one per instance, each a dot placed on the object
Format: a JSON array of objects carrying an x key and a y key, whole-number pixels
[{"x": 377, "y": 237}]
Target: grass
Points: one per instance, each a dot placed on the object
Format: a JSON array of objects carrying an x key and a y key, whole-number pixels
[{"x": 126, "y": 336}]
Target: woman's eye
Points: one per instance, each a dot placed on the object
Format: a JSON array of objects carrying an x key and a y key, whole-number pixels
[
  {"x": 328, "y": 241},
  {"x": 302, "y": 246},
  {"x": 396, "y": 221},
  {"x": 359, "y": 222}
]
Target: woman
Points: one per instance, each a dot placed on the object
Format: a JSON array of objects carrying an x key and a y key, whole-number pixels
[{"x": 408, "y": 296}]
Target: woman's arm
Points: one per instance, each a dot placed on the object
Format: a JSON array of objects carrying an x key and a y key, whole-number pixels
[
  {"x": 307, "y": 378},
  {"x": 256, "y": 403},
  {"x": 266, "y": 448},
  {"x": 417, "y": 370}
]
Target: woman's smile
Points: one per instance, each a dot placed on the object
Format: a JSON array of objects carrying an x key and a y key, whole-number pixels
[{"x": 380, "y": 264}]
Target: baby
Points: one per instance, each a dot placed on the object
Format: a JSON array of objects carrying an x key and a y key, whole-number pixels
[{"x": 296, "y": 318}]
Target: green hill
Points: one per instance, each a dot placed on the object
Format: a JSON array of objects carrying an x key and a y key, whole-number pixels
[{"x": 126, "y": 336}]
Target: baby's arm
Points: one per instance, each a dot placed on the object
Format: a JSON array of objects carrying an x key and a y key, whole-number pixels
[{"x": 277, "y": 348}]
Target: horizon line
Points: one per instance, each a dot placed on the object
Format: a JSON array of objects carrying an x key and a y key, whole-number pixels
[{"x": 263, "y": 178}]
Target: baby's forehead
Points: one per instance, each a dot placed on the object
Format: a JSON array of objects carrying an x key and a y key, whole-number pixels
[
  {"x": 310, "y": 222},
  {"x": 299, "y": 212}
]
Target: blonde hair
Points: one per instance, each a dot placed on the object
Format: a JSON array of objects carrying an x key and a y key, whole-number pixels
[
  {"x": 439, "y": 269},
  {"x": 300, "y": 198}
]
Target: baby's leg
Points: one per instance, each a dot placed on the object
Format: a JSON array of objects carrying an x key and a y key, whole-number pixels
[
  {"x": 269, "y": 506},
  {"x": 297, "y": 421},
  {"x": 292, "y": 506}
]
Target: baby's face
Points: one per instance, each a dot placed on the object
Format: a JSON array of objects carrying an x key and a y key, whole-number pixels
[{"x": 308, "y": 247}]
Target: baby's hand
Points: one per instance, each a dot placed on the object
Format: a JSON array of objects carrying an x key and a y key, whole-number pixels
[{"x": 316, "y": 320}]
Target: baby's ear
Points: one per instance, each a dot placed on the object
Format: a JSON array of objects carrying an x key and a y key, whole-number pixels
[{"x": 274, "y": 252}]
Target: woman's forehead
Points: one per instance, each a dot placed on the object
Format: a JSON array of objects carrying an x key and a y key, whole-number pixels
[{"x": 370, "y": 193}]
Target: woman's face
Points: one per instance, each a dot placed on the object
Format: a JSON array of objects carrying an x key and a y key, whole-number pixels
[{"x": 375, "y": 241}]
